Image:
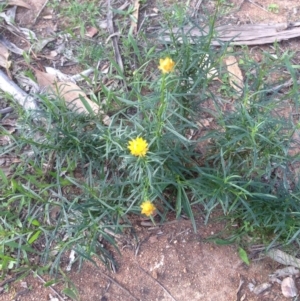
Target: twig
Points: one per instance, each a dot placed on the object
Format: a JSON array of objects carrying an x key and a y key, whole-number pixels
[
  {"x": 252, "y": 2},
  {"x": 240, "y": 286},
  {"x": 196, "y": 8},
  {"x": 81, "y": 75},
  {"x": 39, "y": 12},
  {"x": 287, "y": 84},
  {"x": 142, "y": 23},
  {"x": 111, "y": 31},
  {"x": 52, "y": 289},
  {"x": 20, "y": 293},
  {"x": 6, "y": 110},
  {"x": 167, "y": 292},
  {"x": 135, "y": 15},
  {"x": 118, "y": 285},
  {"x": 7, "y": 281}
]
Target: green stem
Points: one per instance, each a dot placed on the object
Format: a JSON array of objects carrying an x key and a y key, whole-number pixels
[{"x": 162, "y": 107}]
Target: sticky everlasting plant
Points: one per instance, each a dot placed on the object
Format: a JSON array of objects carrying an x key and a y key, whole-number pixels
[
  {"x": 168, "y": 147},
  {"x": 166, "y": 65},
  {"x": 147, "y": 208},
  {"x": 138, "y": 147}
]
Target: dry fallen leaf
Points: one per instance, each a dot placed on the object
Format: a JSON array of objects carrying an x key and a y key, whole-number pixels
[
  {"x": 39, "y": 45},
  {"x": 261, "y": 288},
  {"x": 91, "y": 31},
  {"x": 72, "y": 94},
  {"x": 283, "y": 258},
  {"x": 4, "y": 54},
  {"x": 288, "y": 287},
  {"x": 236, "y": 79},
  {"x": 7, "y": 161},
  {"x": 75, "y": 98},
  {"x": 287, "y": 271},
  {"x": 18, "y": 3},
  {"x": 10, "y": 46},
  {"x": 53, "y": 53}
]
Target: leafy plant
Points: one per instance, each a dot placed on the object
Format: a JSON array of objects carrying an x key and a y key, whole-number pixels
[
  {"x": 80, "y": 180},
  {"x": 274, "y": 8}
]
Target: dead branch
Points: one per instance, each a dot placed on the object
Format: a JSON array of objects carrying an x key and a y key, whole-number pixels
[
  {"x": 10, "y": 87},
  {"x": 248, "y": 34},
  {"x": 110, "y": 26}
]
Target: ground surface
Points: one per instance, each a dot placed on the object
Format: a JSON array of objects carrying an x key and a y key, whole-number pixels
[
  {"x": 172, "y": 262},
  {"x": 170, "y": 258}
]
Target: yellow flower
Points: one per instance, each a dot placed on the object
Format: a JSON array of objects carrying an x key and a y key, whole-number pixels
[
  {"x": 147, "y": 208},
  {"x": 138, "y": 147},
  {"x": 166, "y": 65}
]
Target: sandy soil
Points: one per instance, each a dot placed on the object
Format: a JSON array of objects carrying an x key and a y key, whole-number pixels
[{"x": 171, "y": 263}]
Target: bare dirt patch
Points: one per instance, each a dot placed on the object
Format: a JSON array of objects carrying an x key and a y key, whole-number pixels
[{"x": 172, "y": 263}]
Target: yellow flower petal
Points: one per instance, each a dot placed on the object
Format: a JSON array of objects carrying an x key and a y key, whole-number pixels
[
  {"x": 138, "y": 147},
  {"x": 166, "y": 65},
  {"x": 147, "y": 208}
]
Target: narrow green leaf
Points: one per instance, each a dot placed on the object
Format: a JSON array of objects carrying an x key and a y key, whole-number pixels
[
  {"x": 35, "y": 222},
  {"x": 50, "y": 282},
  {"x": 178, "y": 202},
  {"x": 3, "y": 177},
  {"x": 222, "y": 242},
  {"x": 73, "y": 294},
  {"x": 34, "y": 237},
  {"x": 86, "y": 105},
  {"x": 243, "y": 255}
]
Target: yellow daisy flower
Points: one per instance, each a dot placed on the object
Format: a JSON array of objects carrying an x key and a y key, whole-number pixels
[
  {"x": 166, "y": 65},
  {"x": 147, "y": 208},
  {"x": 138, "y": 147}
]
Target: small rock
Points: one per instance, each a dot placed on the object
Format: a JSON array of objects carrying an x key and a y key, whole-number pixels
[
  {"x": 251, "y": 287},
  {"x": 261, "y": 288},
  {"x": 153, "y": 239},
  {"x": 154, "y": 274},
  {"x": 288, "y": 287},
  {"x": 51, "y": 298}
]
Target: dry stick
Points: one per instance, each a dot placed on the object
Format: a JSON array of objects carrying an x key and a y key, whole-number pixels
[
  {"x": 118, "y": 285},
  {"x": 157, "y": 282},
  {"x": 135, "y": 22},
  {"x": 10, "y": 87},
  {"x": 284, "y": 85},
  {"x": 196, "y": 8},
  {"x": 39, "y": 12},
  {"x": 111, "y": 31},
  {"x": 6, "y": 110},
  {"x": 252, "y": 2},
  {"x": 240, "y": 286},
  {"x": 52, "y": 289},
  {"x": 7, "y": 281}
]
